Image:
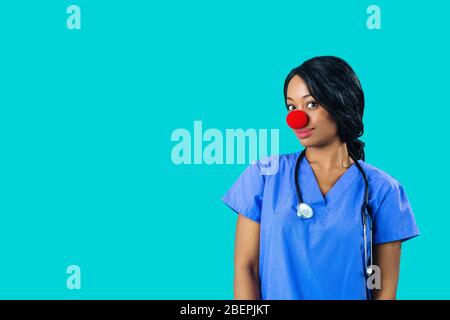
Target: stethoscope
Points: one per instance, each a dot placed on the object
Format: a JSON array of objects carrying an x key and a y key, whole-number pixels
[{"x": 297, "y": 119}]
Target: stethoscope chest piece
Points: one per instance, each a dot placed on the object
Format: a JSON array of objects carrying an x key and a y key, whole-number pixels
[{"x": 304, "y": 211}]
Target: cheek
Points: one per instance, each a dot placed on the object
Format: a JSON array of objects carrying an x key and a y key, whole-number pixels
[{"x": 324, "y": 123}]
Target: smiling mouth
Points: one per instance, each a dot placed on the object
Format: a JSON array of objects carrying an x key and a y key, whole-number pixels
[
  {"x": 303, "y": 130},
  {"x": 304, "y": 133}
]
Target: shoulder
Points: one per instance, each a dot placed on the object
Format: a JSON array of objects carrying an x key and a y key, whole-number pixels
[
  {"x": 382, "y": 184},
  {"x": 276, "y": 165}
]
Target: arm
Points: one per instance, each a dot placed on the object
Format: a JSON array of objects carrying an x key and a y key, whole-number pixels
[
  {"x": 387, "y": 257},
  {"x": 246, "y": 260}
]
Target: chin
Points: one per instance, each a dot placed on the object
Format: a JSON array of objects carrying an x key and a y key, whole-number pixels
[{"x": 305, "y": 143}]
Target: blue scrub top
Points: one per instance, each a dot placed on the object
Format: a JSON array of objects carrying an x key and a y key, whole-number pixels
[{"x": 321, "y": 257}]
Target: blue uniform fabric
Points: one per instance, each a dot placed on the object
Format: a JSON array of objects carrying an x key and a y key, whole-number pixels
[{"x": 321, "y": 257}]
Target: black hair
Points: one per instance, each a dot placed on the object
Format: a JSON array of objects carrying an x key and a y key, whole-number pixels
[{"x": 335, "y": 86}]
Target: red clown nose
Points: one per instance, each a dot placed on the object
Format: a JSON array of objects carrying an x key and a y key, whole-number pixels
[{"x": 297, "y": 119}]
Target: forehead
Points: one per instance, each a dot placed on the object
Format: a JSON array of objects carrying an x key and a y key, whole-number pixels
[{"x": 297, "y": 88}]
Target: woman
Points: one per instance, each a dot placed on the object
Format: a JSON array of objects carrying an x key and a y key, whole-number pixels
[{"x": 280, "y": 256}]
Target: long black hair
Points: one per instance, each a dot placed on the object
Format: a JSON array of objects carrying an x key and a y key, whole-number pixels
[{"x": 334, "y": 84}]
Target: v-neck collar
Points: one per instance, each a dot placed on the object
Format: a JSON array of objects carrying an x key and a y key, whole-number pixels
[{"x": 311, "y": 190}]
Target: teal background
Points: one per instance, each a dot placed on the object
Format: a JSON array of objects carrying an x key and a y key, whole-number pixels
[{"x": 86, "y": 119}]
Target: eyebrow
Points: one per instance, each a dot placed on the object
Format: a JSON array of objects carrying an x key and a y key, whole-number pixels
[{"x": 306, "y": 95}]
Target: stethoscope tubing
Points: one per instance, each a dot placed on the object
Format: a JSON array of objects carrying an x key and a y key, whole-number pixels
[{"x": 365, "y": 211}]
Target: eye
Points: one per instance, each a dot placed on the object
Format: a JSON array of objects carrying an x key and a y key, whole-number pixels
[
  {"x": 313, "y": 104},
  {"x": 291, "y": 107}
]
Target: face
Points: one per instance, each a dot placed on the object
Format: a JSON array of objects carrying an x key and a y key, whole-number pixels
[{"x": 324, "y": 128}]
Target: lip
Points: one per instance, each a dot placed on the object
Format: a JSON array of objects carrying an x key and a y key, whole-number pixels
[
  {"x": 304, "y": 130},
  {"x": 304, "y": 133}
]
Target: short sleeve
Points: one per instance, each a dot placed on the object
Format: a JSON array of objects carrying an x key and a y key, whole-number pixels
[
  {"x": 394, "y": 219},
  {"x": 246, "y": 194}
]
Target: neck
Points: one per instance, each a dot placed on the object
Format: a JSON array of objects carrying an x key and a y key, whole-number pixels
[{"x": 329, "y": 156}]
